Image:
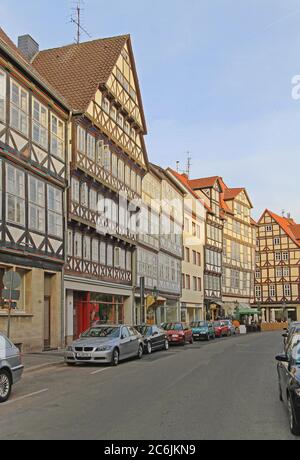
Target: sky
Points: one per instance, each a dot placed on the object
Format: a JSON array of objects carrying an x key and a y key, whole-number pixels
[{"x": 216, "y": 80}]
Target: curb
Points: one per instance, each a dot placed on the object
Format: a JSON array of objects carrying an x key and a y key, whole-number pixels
[{"x": 29, "y": 370}]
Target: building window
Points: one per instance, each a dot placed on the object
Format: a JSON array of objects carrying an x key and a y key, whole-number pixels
[
  {"x": 91, "y": 147},
  {"x": 81, "y": 135},
  {"x": 106, "y": 157},
  {"x": 127, "y": 128},
  {"x": 120, "y": 120},
  {"x": 276, "y": 241},
  {"x": 198, "y": 259},
  {"x": 272, "y": 291},
  {"x": 278, "y": 256},
  {"x": 109, "y": 255},
  {"x": 133, "y": 180},
  {"x": 186, "y": 225},
  {"x": 102, "y": 253},
  {"x": 194, "y": 257},
  {"x": 113, "y": 113},
  {"x": 199, "y": 284},
  {"x": 36, "y": 204},
  {"x": 279, "y": 272},
  {"x": 195, "y": 283},
  {"x": 87, "y": 248},
  {"x": 188, "y": 282},
  {"x": 139, "y": 184},
  {"x": 70, "y": 243},
  {"x": 286, "y": 272},
  {"x": 115, "y": 165},
  {"x": 75, "y": 190},
  {"x": 287, "y": 290},
  {"x": 198, "y": 231},
  {"x": 269, "y": 228},
  {"x": 258, "y": 292},
  {"x": 2, "y": 95},
  {"x": 106, "y": 105},
  {"x": 95, "y": 250},
  {"x": 257, "y": 274},
  {"x": 183, "y": 281},
  {"x": 187, "y": 255},
  {"x": 78, "y": 245},
  {"x": 121, "y": 167},
  {"x": 39, "y": 124},
  {"x": 127, "y": 175},
  {"x": 285, "y": 256},
  {"x": 15, "y": 195},
  {"x": 57, "y": 137},
  {"x": 194, "y": 229},
  {"x": 128, "y": 261},
  {"x": 55, "y": 212},
  {"x": 84, "y": 194},
  {"x": 19, "y": 108},
  {"x": 93, "y": 200}
]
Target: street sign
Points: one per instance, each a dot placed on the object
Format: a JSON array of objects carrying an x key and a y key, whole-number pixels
[
  {"x": 7, "y": 294},
  {"x": 12, "y": 280}
]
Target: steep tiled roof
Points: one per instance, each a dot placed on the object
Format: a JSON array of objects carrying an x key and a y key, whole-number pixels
[
  {"x": 206, "y": 182},
  {"x": 185, "y": 182},
  {"x": 232, "y": 193},
  {"x": 77, "y": 70},
  {"x": 9, "y": 46},
  {"x": 287, "y": 225}
]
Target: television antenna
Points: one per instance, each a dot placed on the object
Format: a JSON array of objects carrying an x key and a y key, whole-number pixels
[
  {"x": 186, "y": 171},
  {"x": 77, "y": 20}
]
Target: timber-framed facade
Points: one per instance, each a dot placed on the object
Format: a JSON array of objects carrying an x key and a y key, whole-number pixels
[
  {"x": 108, "y": 161},
  {"x": 33, "y": 179}
]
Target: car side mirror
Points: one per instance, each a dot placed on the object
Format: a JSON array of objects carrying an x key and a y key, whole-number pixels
[
  {"x": 285, "y": 336},
  {"x": 282, "y": 359}
]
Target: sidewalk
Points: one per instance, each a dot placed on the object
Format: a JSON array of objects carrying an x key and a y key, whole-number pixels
[{"x": 37, "y": 361}]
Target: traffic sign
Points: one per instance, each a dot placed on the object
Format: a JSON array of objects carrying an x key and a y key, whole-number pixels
[{"x": 12, "y": 280}]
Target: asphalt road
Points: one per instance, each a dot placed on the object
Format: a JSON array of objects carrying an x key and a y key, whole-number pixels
[{"x": 226, "y": 389}]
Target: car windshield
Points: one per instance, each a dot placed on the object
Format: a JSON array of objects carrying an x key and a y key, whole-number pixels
[
  {"x": 144, "y": 330},
  {"x": 100, "y": 332},
  {"x": 199, "y": 324},
  {"x": 174, "y": 327},
  {"x": 217, "y": 324}
]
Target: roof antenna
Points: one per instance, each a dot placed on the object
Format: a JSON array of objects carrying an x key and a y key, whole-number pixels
[
  {"x": 189, "y": 164},
  {"x": 283, "y": 213},
  {"x": 76, "y": 19}
]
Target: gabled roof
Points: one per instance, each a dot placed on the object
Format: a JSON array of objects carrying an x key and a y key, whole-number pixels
[
  {"x": 206, "y": 182},
  {"x": 232, "y": 193},
  {"x": 78, "y": 70},
  {"x": 288, "y": 226},
  {"x": 8, "y": 46},
  {"x": 185, "y": 182}
]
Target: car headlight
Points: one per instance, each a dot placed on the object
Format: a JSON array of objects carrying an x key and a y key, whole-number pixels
[
  {"x": 297, "y": 391},
  {"x": 69, "y": 349},
  {"x": 107, "y": 348}
]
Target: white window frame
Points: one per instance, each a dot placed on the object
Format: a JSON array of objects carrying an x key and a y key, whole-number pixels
[
  {"x": 40, "y": 123},
  {"x": 36, "y": 204},
  {"x": 57, "y": 128},
  {"x": 113, "y": 113},
  {"x": 276, "y": 241},
  {"x": 87, "y": 248},
  {"x": 15, "y": 194},
  {"x": 81, "y": 139},
  {"x": 91, "y": 147},
  {"x": 75, "y": 190},
  {"x": 55, "y": 213},
  {"x": 287, "y": 290},
  {"x": 272, "y": 290},
  {"x": 78, "y": 245},
  {"x": 269, "y": 228},
  {"x": 19, "y": 108},
  {"x": 285, "y": 256},
  {"x": 2, "y": 95},
  {"x": 106, "y": 105}
]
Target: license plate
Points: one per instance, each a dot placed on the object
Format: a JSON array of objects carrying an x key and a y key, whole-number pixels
[
  {"x": 83, "y": 355},
  {"x": 196, "y": 335}
]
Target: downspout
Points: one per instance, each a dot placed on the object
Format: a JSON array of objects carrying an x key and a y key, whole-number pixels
[{"x": 65, "y": 216}]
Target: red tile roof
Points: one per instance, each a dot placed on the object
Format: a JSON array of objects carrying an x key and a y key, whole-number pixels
[
  {"x": 206, "y": 182},
  {"x": 77, "y": 71},
  {"x": 232, "y": 193},
  {"x": 185, "y": 181},
  {"x": 288, "y": 226}
]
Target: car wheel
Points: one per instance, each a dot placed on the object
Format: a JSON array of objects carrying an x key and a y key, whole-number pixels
[
  {"x": 140, "y": 352},
  {"x": 71, "y": 364},
  {"x": 294, "y": 426},
  {"x": 5, "y": 386},
  {"x": 166, "y": 345},
  {"x": 149, "y": 348},
  {"x": 115, "y": 357}
]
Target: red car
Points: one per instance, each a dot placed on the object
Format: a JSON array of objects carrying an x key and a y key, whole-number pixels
[
  {"x": 221, "y": 329},
  {"x": 179, "y": 333}
]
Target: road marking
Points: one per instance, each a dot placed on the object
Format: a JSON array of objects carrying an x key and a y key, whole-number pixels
[
  {"x": 21, "y": 398},
  {"x": 99, "y": 371}
]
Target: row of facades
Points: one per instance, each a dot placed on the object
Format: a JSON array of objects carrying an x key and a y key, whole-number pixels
[{"x": 85, "y": 218}]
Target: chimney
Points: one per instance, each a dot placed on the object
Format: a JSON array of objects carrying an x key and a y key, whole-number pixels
[{"x": 28, "y": 47}]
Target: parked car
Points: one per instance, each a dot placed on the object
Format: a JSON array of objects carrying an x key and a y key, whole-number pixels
[
  {"x": 154, "y": 338},
  {"x": 231, "y": 327},
  {"x": 179, "y": 333},
  {"x": 105, "y": 344},
  {"x": 288, "y": 369},
  {"x": 221, "y": 329},
  {"x": 203, "y": 330},
  {"x": 11, "y": 367},
  {"x": 291, "y": 341}
]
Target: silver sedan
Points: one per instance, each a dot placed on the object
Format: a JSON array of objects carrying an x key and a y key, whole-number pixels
[
  {"x": 106, "y": 345},
  {"x": 11, "y": 367}
]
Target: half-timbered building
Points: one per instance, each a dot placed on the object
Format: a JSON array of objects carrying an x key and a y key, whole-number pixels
[
  {"x": 108, "y": 161},
  {"x": 33, "y": 140},
  {"x": 277, "y": 278},
  {"x": 210, "y": 190}
]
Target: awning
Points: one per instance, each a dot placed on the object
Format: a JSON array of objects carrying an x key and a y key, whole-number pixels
[{"x": 247, "y": 311}]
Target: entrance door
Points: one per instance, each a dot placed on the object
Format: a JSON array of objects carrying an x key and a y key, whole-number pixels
[{"x": 47, "y": 316}]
